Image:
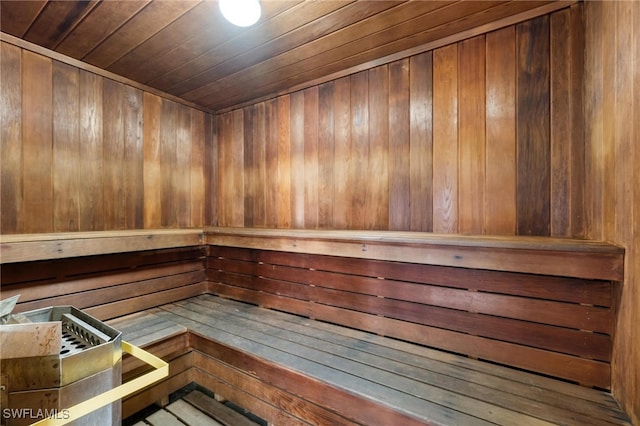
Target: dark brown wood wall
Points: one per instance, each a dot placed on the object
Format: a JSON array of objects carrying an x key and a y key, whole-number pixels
[
  {"x": 477, "y": 137},
  {"x": 81, "y": 152},
  {"x": 612, "y": 142}
]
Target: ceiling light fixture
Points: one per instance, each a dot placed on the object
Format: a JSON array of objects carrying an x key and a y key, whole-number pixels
[{"x": 242, "y": 13}]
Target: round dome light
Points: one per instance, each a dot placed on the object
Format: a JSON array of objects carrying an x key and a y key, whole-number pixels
[{"x": 242, "y": 13}]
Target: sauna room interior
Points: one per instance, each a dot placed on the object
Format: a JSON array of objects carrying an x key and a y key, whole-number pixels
[{"x": 450, "y": 180}]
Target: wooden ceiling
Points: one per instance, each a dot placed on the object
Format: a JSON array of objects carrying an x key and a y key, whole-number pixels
[{"x": 187, "y": 49}]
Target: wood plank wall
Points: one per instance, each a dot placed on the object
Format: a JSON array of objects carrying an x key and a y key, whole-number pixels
[
  {"x": 612, "y": 136},
  {"x": 477, "y": 137},
  {"x": 81, "y": 152}
]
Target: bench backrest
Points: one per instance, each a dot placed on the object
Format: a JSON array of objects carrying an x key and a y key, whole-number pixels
[
  {"x": 554, "y": 325},
  {"x": 110, "y": 285}
]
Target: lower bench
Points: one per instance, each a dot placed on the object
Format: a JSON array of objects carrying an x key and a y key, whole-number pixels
[{"x": 290, "y": 369}]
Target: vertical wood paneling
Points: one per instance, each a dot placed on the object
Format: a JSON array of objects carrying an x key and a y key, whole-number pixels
[
  {"x": 384, "y": 112},
  {"x": 271, "y": 163},
  {"x": 310, "y": 163},
  {"x": 297, "y": 160},
  {"x": 182, "y": 177},
  {"x": 326, "y": 156},
  {"x": 225, "y": 177},
  {"x": 197, "y": 163},
  {"x": 471, "y": 134},
  {"x": 10, "y": 138},
  {"x": 249, "y": 166},
  {"x": 342, "y": 144},
  {"x": 284, "y": 162},
  {"x": 152, "y": 174},
  {"x": 399, "y": 147},
  {"x": 421, "y": 142},
  {"x": 235, "y": 169},
  {"x": 133, "y": 158},
  {"x": 37, "y": 126},
  {"x": 113, "y": 152},
  {"x": 259, "y": 158},
  {"x": 168, "y": 163},
  {"x": 91, "y": 164},
  {"x": 567, "y": 175},
  {"x": 445, "y": 139},
  {"x": 358, "y": 156},
  {"x": 578, "y": 187},
  {"x": 594, "y": 49},
  {"x": 66, "y": 148},
  {"x": 81, "y": 152},
  {"x": 533, "y": 149},
  {"x": 612, "y": 90},
  {"x": 500, "y": 184},
  {"x": 560, "y": 123},
  {"x": 211, "y": 194}
]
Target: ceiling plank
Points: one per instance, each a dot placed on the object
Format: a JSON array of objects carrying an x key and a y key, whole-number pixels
[
  {"x": 153, "y": 18},
  {"x": 318, "y": 24},
  {"x": 108, "y": 19},
  {"x": 55, "y": 20},
  {"x": 18, "y": 18},
  {"x": 199, "y": 30},
  {"x": 268, "y": 29}
]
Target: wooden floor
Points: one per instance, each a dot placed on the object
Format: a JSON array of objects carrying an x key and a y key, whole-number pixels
[{"x": 195, "y": 409}]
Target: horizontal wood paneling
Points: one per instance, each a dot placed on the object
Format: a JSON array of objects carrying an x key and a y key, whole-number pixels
[
  {"x": 458, "y": 139},
  {"x": 107, "y": 286},
  {"x": 81, "y": 152},
  {"x": 449, "y": 308}
]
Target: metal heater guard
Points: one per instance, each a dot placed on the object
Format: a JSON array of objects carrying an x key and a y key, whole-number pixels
[{"x": 77, "y": 411}]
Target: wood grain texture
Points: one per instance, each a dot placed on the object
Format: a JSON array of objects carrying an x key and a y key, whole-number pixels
[
  {"x": 567, "y": 175},
  {"x": 183, "y": 164},
  {"x": 326, "y": 155},
  {"x": 297, "y": 159},
  {"x": 152, "y": 174},
  {"x": 197, "y": 163},
  {"x": 11, "y": 138},
  {"x": 133, "y": 158},
  {"x": 451, "y": 158},
  {"x": 91, "y": 164},
  {"x": 471, "y": 134},
  {"x": 284, "y": 162},
  {"x": 342, "y": 123},
  {"x": 66, "y": 148},
  {"x": 445, "y": 139},
  {"x": 37, "y": 105},
  {"x": 168, "y": 164},
  {"x": 611, "y": 71},
  {"x": 287, "y": 281},
  {"x": 311, "y": 157},
  {"x": 398, "y": 189},
  {"x": 500, "y": 200},
  {"x": 421, "y": 142},
  {"x": 381, "y": 120},
  {"x": 89, "y": 155},
  {"x": 533, "y": 131}
]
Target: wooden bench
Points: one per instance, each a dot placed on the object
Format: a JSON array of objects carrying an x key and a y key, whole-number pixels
[{"x": 398, "y": 329}]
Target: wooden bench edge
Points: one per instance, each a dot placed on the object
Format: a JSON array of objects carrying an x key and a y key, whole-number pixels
[
  {"x": 32, "y": 247},
  {"x": 585, "y": 259}
]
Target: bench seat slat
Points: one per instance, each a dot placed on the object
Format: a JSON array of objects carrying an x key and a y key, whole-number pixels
[
  {"x": 371, "y": 365},
  {"x": 305, "y": 347},
  {"x": 218, "y": 331},
  {"x": 484, "y": 388},
  {"x": 557, "y": 364}
]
